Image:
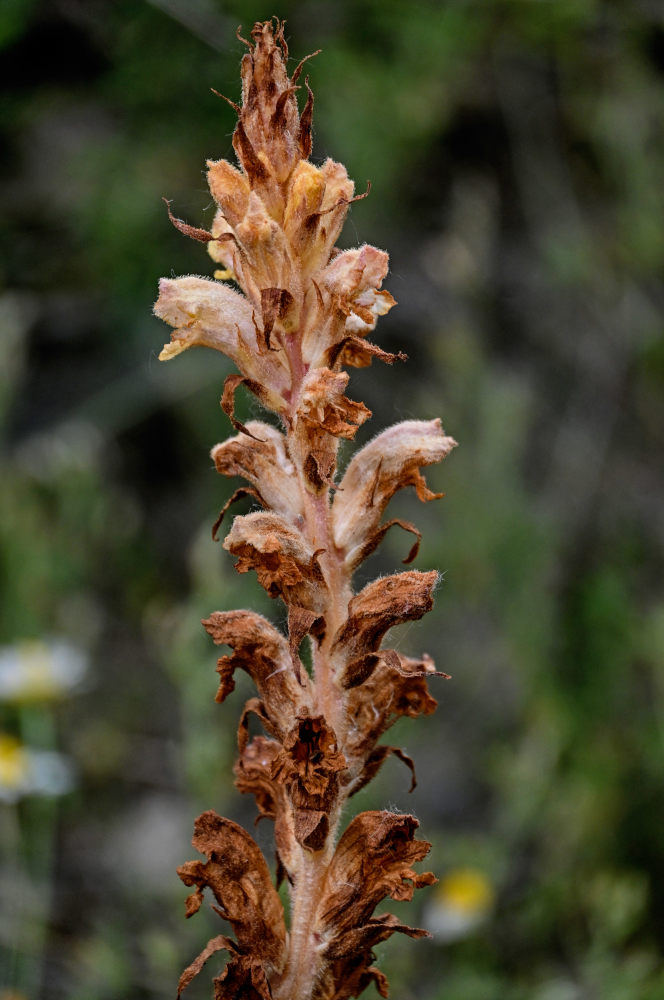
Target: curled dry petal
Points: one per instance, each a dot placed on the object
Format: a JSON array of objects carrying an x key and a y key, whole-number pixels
[
  {"x": 302, "y": 622},
  {"x": 390, "y": 693},
  {"x": 254, "y": 706},
  {"x": 385, "y": 465},
  {"x": 285, "y": 566},
  {"x": 349, "y": 288},
  {"x": 244, "y": 978},
  {"x": 375, "y": 761},
  {"x": 323, "y": 404},
  {"x": 325, "y": 414},
  {"x": 382, "y": 604},
  {"x": 239, "y": 878},
  {"x": 219, "y": 943},
  {"x": 373, "y": 860},
  {"x": 353, "y": 272},
  {"x": 240, "y": 494},
  {"x": 350, "y": 972},
  {"x": 262, "y": 651},
  {"x": 253, "y": 775},
  {"x": 308, "y": 766},
  {"x": 280, "y": 314},
  {"x": 261, "y": 458}
]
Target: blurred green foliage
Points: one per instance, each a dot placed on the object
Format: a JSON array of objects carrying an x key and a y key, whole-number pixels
[{"x": 515, "y": 149}]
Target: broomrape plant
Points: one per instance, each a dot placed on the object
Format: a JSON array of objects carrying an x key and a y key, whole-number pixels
[{"x": 302, "y": 316}]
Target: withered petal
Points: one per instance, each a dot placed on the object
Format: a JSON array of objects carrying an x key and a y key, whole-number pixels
[
  {"x": 253, "y": 775},
  {"x": 218, "y": 943},
  {"x": 239, "y": 494},
  {"x": 367, "y": 936},
  {"x": 359, "y": 670},
  {"x": 308, "y": 766},
  {"x": 262, "y": 458},
  {"x": 360, "y": 553},
  {"x": 277, "y": 306},
  {"x": 285, "y": 566},
  {"x": 231, "y": 384},
  {"x": 259, "y": 647},
  {"x": 382, "y": 604},
  {"x": 397, "y": 688},
  {"x": 244, "y": 978},
  {"x": 373, "y": 860},
  {"x": 358, "y": 353},
  {"x": 254, "y": 706},
  {"x": 323, "y": 404},
  {"x": 375, "y": 761},
  {"x": 239, "y": 878},
  {"x": 302, "y": 622}
]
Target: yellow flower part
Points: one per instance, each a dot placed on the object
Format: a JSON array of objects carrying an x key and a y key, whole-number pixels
[
  {"x": 14, "y": 763},
  {"x": 463, "y": 900},
  {"x": 467, "y": 890}
]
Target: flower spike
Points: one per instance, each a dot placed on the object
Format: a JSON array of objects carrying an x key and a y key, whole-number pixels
[{"x": 299, "y": 315}]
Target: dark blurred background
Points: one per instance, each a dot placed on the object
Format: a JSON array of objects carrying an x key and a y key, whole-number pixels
[{"x": 516, "y": 153}]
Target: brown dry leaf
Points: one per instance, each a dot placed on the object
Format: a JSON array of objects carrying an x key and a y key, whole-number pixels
[
  {"x": 376, "y": 472},
  {"x": 284, "y": 564},
  {"x": 239, "y": 878},
  {"x": 261, "y": 457}
]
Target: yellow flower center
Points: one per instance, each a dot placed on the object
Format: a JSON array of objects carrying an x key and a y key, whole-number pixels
[
  {"x": 466, "y": 889},
  {"x": 13, "y": 762}
]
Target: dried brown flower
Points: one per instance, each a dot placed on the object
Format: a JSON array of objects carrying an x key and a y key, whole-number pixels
[{"x": 303, "y": 313}]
